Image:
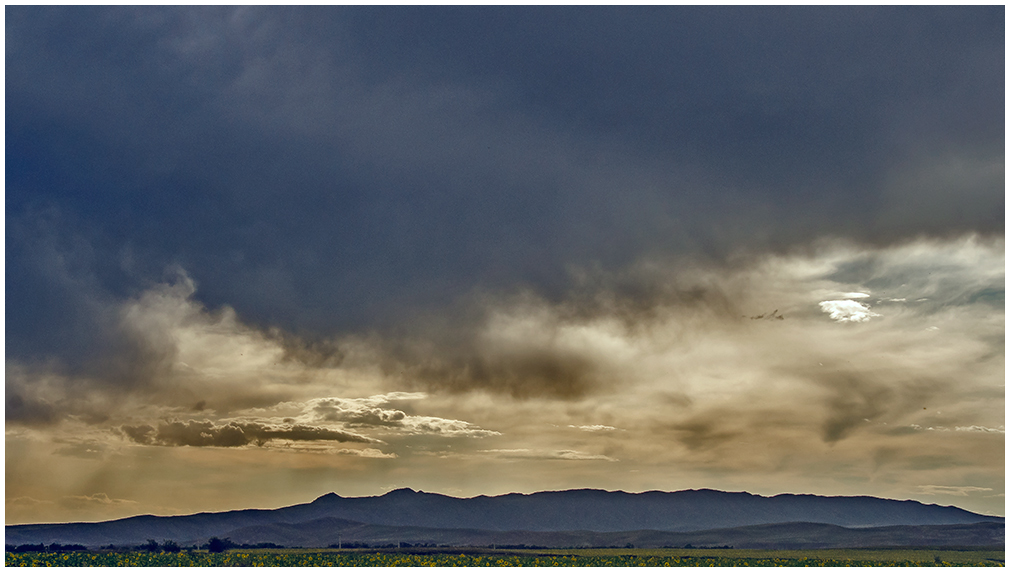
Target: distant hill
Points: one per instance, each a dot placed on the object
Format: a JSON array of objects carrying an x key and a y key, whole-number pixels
[
  {"x": 558, "y": 518},
  {"x": 795, "y": 535}
]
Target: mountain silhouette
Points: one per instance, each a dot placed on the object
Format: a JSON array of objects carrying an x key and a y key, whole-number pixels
[{"x": 562, "y": 518}]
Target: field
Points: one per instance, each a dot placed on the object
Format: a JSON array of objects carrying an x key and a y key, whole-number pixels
[{"x": 475, "y": 558}]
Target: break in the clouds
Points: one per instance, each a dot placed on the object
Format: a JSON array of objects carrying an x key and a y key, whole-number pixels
[{"x": 496, "y": 249}]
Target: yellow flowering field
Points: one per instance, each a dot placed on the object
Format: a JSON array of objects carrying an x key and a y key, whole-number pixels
[{"x": 364, "y": 558}]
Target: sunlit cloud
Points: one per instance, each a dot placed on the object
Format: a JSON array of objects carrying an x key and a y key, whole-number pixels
[
  {"x": 981, "y": 429},
  {"x": 326, "y": 448},
  {"x": 594, "y": 428},
  {"x": 566, "y": 455},
  {"x": 847, "y": 311},
  {"x": 366, "y": 412}
]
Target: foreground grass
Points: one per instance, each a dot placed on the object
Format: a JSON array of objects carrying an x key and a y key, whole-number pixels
[{"x": 557, "y": 558}]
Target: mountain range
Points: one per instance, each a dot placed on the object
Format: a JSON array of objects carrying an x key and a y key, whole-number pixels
[{"x": 582, "y": 517}]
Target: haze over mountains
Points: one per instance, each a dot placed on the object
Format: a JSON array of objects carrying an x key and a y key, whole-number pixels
[{"x": 557, "y": 518}]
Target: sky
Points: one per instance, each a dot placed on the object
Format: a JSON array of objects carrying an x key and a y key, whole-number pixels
[{"x": 256, "y": 255}]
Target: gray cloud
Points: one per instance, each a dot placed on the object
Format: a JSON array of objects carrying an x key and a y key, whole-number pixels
[
  {"x": 695, "y": 385},
  {"x": 282, "y": 152},
  {"x": 704, "y": 435},
  {"x": 529, "y": 372},
  {"x": 854, "y": 402},
  {"x": 233, "y": 434},
  {"x": 28, "y": 412},
  {"x": 537, "y": 216}
]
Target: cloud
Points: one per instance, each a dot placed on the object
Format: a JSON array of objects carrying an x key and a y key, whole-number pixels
[
  {"x": 847, "y": 311},
  {"x": 466, "y": 166},
  {"x": 366, "y": 412},
  {"x": 82, "y": 448},
  {"x": 217, "y": 215},
  {"x": 695, "y": 386},
  {"x": 950, "y": 490},
  {"x": 447, "y": 427},
  {"x": 565, "y": 455},
  {"x": 366, "y": 452},
  {"x": 18, "y": 409},
  {"x": 853, "y": 295},
  {"x": 25, "y": 502},
  {"x": 234, "y": 434},
  {"x": 701, "y": 434},
  {"x": 855, "y": 401},
  {"x": 326, "y": 449},
  {"x": 524, "y": 371},
  {"x": 965, "y": 429},
  {"x": 594, "y": 428},
  {"x": 918, "y": 427},
  {"x": 84, "y": 502},
  {"x": 981, "y": 429}
]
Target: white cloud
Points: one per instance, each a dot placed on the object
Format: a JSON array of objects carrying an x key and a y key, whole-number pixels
[
  {"x": 366, "y": 412},
  {"x": 578, "y": 456},
  {"x": 847, "y": 311},
  {"x": 447, "y": 427},
  {"x": 594, "y": 427},
  {"x": 981, "y": 429},
  {"x": 325, "y": 448},
  {"x": 566, "y": 454},
  {"x": 967, "y": 429},
  {"x": 921, "y": 428}
]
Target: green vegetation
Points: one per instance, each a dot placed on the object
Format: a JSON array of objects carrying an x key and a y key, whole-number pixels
[{"x": 478, "y": 557}]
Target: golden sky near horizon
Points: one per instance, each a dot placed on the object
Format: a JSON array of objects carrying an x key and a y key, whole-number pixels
[{"x": 837, "y": 371}]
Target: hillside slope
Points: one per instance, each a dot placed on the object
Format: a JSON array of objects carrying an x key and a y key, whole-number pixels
[{"x": 545, "y": 512}]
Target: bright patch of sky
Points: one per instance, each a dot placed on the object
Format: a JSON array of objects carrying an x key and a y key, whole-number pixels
[{"x": 847, "y": 311}]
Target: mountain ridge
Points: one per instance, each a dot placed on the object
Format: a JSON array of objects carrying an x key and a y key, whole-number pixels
[{"x": 590, "y": 511}]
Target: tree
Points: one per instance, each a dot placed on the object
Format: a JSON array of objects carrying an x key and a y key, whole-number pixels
[
  {"x": 170, "y": 546},
  {"x": 151, "y": 546},
  {"x": 219, "y": 545}
]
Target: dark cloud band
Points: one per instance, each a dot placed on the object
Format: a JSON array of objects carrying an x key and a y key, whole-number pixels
[{"x": 234, "y": 434}]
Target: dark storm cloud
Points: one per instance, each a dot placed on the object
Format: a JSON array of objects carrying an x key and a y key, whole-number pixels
[
  {"x": 233, "y": 434},
  {"x": 855, "y": 402},
  {"x": 29, "y": 411},
  {"x": 328, "y": 169},
  {"x": 528, "y": 346},
  {"x": 528, "y": 372},
  {"x": 703, "y": 435}
]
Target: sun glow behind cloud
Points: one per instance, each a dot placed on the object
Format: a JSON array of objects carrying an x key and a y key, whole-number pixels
[{"x": 847, "y": 311}]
